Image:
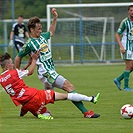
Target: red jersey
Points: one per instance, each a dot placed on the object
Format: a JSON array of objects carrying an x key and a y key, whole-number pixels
[{"x": 12, "y": 82}]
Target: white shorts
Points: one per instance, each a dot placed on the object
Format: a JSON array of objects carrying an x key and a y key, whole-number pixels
[{"x": 128, "y": 55}]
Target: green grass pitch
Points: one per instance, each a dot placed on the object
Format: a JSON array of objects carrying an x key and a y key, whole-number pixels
[{"x": 87, "y": 80}]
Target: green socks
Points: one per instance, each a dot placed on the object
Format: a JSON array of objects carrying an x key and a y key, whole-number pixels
[
  {"x": 125, "y": 75},
  {"x": 126, "y": 78},
  {"x": 79, "y": 105},
  {"x": 121, "y": 77}
]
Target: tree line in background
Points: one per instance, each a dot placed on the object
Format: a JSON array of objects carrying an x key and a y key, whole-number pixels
[{"x": 30, "y": 8}]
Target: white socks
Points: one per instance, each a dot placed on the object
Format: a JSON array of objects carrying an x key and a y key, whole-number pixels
[{"x": 78, "y": 97}]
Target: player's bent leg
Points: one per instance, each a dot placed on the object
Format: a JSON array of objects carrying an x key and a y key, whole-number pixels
[
  {"x": 79, "y": 104},
  {"x": 61, "y": 82},
  {"x": 67, "y": 86}
]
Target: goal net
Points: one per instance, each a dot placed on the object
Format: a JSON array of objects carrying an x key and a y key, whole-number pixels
[{"x": 84, "y": 32}]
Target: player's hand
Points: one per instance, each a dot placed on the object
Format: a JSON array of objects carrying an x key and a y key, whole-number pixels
[
  {"x": 35, "y": 55},
  {"x": 122, "y": 50},
  {"x": 11, "y": 43},
  {"x": 54, "y": 12}
]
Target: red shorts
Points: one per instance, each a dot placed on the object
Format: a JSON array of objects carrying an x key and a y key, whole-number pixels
[{"x": 36, "y": 105}]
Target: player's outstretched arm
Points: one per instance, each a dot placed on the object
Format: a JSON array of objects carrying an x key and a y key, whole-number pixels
[{"x": 53, "y": 24}]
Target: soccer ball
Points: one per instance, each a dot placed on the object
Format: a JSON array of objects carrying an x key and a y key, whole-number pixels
[{"x": 127, "y": 111}]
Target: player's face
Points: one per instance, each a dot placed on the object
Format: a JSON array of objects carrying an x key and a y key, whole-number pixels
[
  {"x": 20, "y": 20},
  {"x": 130, "y": 12},
  {"x": 10, "y": 65},
  {"x": 35, "y": 33}
]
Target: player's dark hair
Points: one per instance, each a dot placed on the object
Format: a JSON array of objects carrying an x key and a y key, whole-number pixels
[
  {"x": 130, "y": 6},
  {"x": 3, "y": 58},
  {"x": 20, "y": 16},
  {"x": 32, "y": 22}
]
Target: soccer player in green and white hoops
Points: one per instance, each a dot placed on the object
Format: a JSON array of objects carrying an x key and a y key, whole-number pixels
[
  {"x": 46, "y": 70},
  {"x": 126, "y": 47}
]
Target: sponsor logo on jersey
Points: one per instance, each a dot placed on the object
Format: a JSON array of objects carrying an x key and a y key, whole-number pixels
[
  {"x": 10, "y": 90},
  {"x": 21, "y": 93},
  {"x": 43, "y": 47},
  {"x": 21, "y": 32},
  {"x": 4, "y": 79},
  {"x": 131, "y": 31},
  {"x": 130, "y": 35}
]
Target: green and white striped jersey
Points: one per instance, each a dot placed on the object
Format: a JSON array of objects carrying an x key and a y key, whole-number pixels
[
  {"x": 126, "y": 29},
  {"x": 45, "y": 61}
]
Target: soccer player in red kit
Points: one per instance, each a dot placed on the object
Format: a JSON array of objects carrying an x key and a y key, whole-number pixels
[{"x": 30, "y": 98}]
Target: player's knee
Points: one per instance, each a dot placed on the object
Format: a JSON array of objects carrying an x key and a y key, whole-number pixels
[
  {"x": 72, "y": 87},
  {"x": 129, "y": 65},
  {"x": 68, "y": 86}
]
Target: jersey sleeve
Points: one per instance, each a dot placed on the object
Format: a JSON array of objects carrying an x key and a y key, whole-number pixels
[
  {"x": 24, "y": 51},
  {"x": 13, "y": 27},
  {"x": 46, "y": 35},
  {"x": 121, "y": 27},
  {"x": 22, "y": 73}
]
